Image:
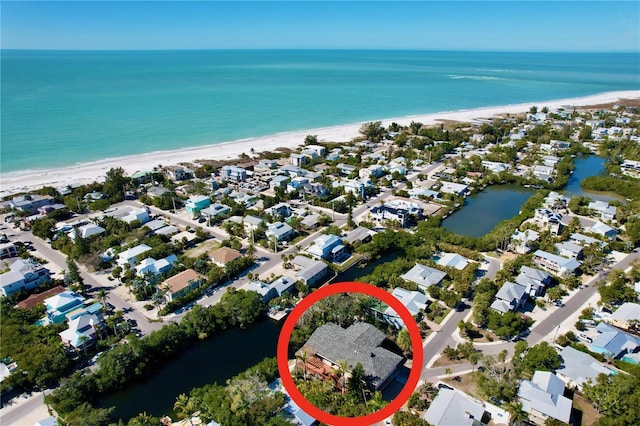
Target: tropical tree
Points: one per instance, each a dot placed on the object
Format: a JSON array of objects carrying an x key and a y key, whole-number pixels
[
  {"x": 185, "y": 407},
  {"x": 404, "y": 341},
  {"x": 343, "y": 368},
  {"x": 102, "y": 298},
  {"x": 144, "y": 419},
  {"x": 517, "y": 416},
  {"x": 303, "y": 356}
]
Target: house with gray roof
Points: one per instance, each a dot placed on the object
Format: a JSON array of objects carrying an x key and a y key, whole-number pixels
[
  {"x": 534, "y": 280},
  {"x": 521, "y": 242},
  {"x": 578, "y": 367},
  {"x": 562, "y": 266},
  {"x": 585, "y": 240},
  {"x": 613, "y": 342},
  {"x": 359, "y": 343},
  {"x": 569, "y": 249},
  {"x": 360, "y": 234},
  {"x": 280, "y": 231},
  {"x": 510, "y": 297},
  {"x": 23, "y": 275},
  {"x": 414, "y": 301},
  {"x": 452, "y": 407},
  {"x": 424, "y": 276},
  {"x": 543, "y": 397},
  {"x": 309, "y": 271},
  {"x": 606, "y": 211}
]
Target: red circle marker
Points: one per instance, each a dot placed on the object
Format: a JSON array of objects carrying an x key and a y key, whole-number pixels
[{"x": 283, "y": 354}]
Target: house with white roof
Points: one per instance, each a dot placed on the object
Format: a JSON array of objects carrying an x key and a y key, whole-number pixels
[
  {"x": 454, "y": 188},
  {"x": 625, "y": 315},
  {"x": 522, "y": 241},
  {"x": 555, "y": 264},
  {"x": 606, "y": 211},
  {"x": 414, "y": 301},
  {"x": 58, "y": 306},
  {"x": 585, "y": 240},
  {"x": 543, "y": 397},
  {"x": 233, "y": 173},
  {"x": 141, "y": 214},
  {"x": 82, "y": 331},
  {"x": 89, "y": 230},
  {"x": 604, "y": 230},
  {"x": 578, "y": 367},
  {"x": 23, "y": 274},
  {"x": 156, "y": 267},
  {"x": 510, "y": 297},
  {"x": 384, "y": 213},
  {"x": 555, "y": 200},
  {"x": 130, "y": 256},
  {"x": 455, "y": 408},
  {"x": 424, "y": 276},
  {"x": 543, "y": 172},
  {"x": 328, "y": 247},
  {"x": 549, "y": 219},
  {"x": 452, "y": 260}
]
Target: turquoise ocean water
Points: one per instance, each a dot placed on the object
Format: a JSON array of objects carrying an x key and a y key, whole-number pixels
[{"x": 60, "y": 108}]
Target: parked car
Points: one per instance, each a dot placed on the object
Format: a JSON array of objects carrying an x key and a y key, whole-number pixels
[{"x": 584, "y": 337}]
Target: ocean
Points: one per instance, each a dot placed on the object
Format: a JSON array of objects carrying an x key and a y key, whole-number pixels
[{"x": 60, "y": 108}]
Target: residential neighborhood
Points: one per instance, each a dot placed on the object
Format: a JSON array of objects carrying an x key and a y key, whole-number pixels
[{"x": 517, "y": 324}]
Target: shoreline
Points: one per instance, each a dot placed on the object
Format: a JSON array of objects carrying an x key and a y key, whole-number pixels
[{"x": 28, "y": 180}]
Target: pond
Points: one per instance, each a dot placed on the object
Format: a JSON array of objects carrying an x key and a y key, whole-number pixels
[
  {"x": 585, "y": 167},
  {"x": 213, "y": 360},
  {"x": 482, "y": 211}
]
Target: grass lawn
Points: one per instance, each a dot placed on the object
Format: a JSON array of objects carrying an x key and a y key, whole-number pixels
[
  {"x": 444, "y": 361},
  {"x": 466, "y": 384},
  {"x": 202, "y": 248},
  {"x": 583, "y": 410}
]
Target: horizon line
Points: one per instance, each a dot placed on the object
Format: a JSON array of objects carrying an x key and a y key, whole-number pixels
[{"x": 465, "y": 50}]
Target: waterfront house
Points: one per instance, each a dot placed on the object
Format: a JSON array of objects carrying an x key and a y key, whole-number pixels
[
  {"x": 578, "y": 367},
  {"x": 458, "y": 189},
  {"x": 555, "y": 200},
  {"x": 627, "y": 314},
  {"x": 359, "y": 343},
  {"x": 182, "y": 283},
  {"x": 319, "y": 150},
  {"x": 197, "y": 203},
  {"x": 309, "y": 271},
  {"x": 452, "y": 260},
  {"x": 224, "y": 255},
  {"x": 358, "y": 235},
  {"x": 521, "y": 242},
  {"x": 543, "y": 397},
  {"x": 414, "y": 301},
  {"x": 555, "y": 264},
  {"x": 606, "y": 211},
  {"x": 178, "y": 173},
  {"x": 279, "y": 231},
  {"x": 23, "y": 274},
  {"x": 549, "y": 219},
  {"x": 534, "y": 280},
  {"x": 263, "y": 289},
  {"x": 510, "y": 297},
  {"x": 452, "y": 407},
  {"x": 424, "y": 276},
  {"x": 130, "y": 256},
  {"x": 613, "y": 342}
]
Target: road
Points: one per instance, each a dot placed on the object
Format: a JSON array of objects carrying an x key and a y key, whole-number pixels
[
  {"x": 546, "y": 326},
  {"x": 18, "y": 412}
]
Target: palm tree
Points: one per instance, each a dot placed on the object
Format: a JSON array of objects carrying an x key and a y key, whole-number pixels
[
  {"x": 343, "y": 368},
  {"x": 185, "y": 407},
  {"x": 144, "y": 419},
  {"x": 517, "y": 416},
  {"x": 251, "y": 251},
  {"x": 102, "y": 298},
  {"x": 303, "y": 357}
]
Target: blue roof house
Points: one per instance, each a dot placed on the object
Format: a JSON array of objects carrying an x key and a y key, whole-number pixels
[{"x": 613, "y": 342}]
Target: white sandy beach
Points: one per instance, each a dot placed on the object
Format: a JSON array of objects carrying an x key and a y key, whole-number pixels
[{"x": 15, "y": 182}]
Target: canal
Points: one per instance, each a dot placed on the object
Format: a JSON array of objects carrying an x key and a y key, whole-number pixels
[
  {"x": 482, "y": 211},
  {"x": 206, "y": 362}
]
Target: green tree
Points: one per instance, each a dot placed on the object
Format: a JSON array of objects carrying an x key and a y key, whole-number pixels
[
  {"x": 404, "y": 341},
  {"x": 114, "y": 184},
  {"x": 517, "y": 416},
  {"x": 373, "y": 131},
  {"x": 144, "y": 419},
  {"x": 185, "y": 407},
  {"x": 541, "y": 357}
]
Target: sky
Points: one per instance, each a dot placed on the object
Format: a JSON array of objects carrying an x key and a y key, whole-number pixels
[{"x": 514, "y": 25}]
